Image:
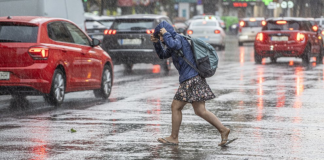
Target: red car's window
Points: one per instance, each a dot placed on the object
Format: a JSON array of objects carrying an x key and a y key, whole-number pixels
[
  {"x": 78, "y": 36},
  {"x": 289, "y": 25},
  {"x": 11, "y": 32},
  {"x": 57, "y": 32}
]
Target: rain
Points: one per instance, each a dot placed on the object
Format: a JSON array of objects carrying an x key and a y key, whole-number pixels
[{"x": 270, "y": 99}]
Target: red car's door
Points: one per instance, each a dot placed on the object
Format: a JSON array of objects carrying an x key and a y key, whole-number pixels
[
  {"x": 91, "y": 58},
  {"x": 69, "y": 53}
]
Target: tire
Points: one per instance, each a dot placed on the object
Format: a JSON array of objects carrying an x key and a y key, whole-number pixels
[
  {"x": 166, "y": 66},
  {"x": 273, "y": 60},
  {"x": 57, "y": 93},
  {"x": 319, "y": 58},
  {"x": 128, "y": 67},
  {"x": 305, "y": 56},
  {"x": 257, "y": 58},
  {"x": 106, "y": 84},
  {"x": 240, "y": 43}
]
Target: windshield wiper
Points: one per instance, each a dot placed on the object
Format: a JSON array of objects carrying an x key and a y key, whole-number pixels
[{"x": 8, "y": 40}]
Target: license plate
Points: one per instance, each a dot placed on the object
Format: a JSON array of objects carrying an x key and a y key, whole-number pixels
[
  {"x": 244, "y": 37},
  {"x": 98, "y": 37},
  {"x": 130, "y": 41},
  {"x": 4, "y": 75},
  {"x": 279, "y": 38}
]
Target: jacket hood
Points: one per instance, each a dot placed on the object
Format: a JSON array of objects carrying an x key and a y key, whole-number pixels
[{"x": 167, "y": 27}]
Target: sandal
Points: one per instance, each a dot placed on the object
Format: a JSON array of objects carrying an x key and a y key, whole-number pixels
[
  {"x": 227, "y": 142},
  {"x": 166, "y": 142}
]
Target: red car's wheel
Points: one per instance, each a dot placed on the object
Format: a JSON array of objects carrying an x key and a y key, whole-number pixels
[
  {"x": 106, "y": 84},
  {"x": 306, "y": 57},
  {"x": 257, "y": 58},
  {"x": 56, "y": 95}
]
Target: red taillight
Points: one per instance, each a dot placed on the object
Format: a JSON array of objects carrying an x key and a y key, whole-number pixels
[
  {"x": 110, "y": 31},
  {"x": 149, "y": 31},
  {"x": 189, "y": 32},
  {"x": 242, "y": 23},
  {"x": 240, "y": 30},
  {"x": 38, "y": 52},
  {"x": 300, "y": 37},
  {"x": 259, "y": 37},
  {"x": 217, "y": 31},
  {"x": 263, "y": 23},
  {"x": 315, "y": 28},
  {"x": 322, "y": 32}
]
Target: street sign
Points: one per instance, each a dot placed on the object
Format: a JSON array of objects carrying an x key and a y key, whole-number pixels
[
  {"x": 284, "y": 4},
  {"x": 290, "y": 4}
]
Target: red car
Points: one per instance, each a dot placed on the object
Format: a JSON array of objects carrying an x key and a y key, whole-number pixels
[
  {"x": 288, "y": 37},
  {"x": 50, "y": 57}
]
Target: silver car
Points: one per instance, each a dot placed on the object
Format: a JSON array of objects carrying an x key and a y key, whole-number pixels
[
  {"x": 248, "y": 29},
  {"x": 209, "y": 31}
]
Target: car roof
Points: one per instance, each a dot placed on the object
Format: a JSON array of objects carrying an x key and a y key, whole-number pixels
[
  {"x": 140, "y": 16},
  {"x": 29, "y": 19},
  {"x": 256, "y": 18},
  {"x": 287, "y": 19},
  {"x": 97, "y": 18}
]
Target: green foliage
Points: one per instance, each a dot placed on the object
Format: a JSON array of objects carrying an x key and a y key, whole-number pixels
[{"x": 72, "y": 130}]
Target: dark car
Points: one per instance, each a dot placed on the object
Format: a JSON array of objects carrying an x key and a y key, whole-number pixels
[
  {"x": 128, "y": 40},
  {"x": 51, "y": 57},
  {"x": 288, "y": 37}
]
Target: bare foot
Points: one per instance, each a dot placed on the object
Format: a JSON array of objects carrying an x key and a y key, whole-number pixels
[
  {"x": 168, "y": 140},
  {"x": 224, "y": 136}
]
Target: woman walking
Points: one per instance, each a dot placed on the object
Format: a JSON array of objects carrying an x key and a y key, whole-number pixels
[{"x": 193, "y": 89}]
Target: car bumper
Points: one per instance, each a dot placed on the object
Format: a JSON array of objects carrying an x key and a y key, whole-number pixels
[
  {"x": 34, "y": 79},
  {"x": 246, "y": 38},
  {"x": 122, "y": 56},
  {"x": 282, "y": 50}
]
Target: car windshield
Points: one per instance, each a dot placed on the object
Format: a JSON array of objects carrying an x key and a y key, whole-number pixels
[
  {"x": 284, "y": 25},
  {"x": 204, "y": 23},
  {"x": 133, "y": 24},
  {"x": 252, "y": 23},
  {"x": 93, "y": 24},
  {"x": 10, "y": 32}
]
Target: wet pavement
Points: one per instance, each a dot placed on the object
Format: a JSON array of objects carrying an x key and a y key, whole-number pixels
[{"x": 276, "y": 111}]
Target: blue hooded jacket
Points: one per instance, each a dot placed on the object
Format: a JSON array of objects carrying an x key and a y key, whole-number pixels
[{"x": 173, "y": 41}]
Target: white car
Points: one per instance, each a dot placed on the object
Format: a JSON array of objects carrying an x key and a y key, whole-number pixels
[
  {"x": 209, "y": 31},
  {"x": 248, "y": 29}
]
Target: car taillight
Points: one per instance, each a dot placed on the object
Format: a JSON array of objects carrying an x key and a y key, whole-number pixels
[
  {"x": 150, "y": 31},
  {"x": 259, "y": 37},
  {"x": 263, "y": 23},
  {"x": 281, "y": 22},
  {"x": 189, "y": 32},
  {"x": 315, "y": 28},
  {"x": 109, "y": 31},
  {"x": 300, "y": 37},
  {"x": 217, "y": 31},
  {"x": 322, "y": 32},
  {"x": 40, "y": 53},
  {"x": 242, "y": 23}
]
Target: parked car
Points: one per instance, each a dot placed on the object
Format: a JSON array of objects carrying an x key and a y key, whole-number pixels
[
  {"x": 128, "y": 40},
  {"x": 51, "y": 57},
  {"x": 288, "y": 37},
  {"x": 209, "y": 31},
  {"x": 248, "y": 29},
  {"x": 68, "y": 9}
]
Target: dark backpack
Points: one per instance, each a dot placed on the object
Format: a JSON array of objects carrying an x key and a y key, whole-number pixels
[{"x": 205, "y": 56}]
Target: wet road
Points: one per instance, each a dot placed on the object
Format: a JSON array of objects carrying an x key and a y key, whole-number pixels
[{"x": 276, "y": 111}]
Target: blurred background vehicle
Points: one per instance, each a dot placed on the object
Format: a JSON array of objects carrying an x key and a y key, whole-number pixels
[
  {"x": 96, "y": 25},
  {"x": 209, "y": 31},
  {"x": 288, "y": 37},
  {"x": 234, "y": 28},
  {"x": 128, "y": 40},
  {"x": 181, "y": 27},
  {"x": 209, "y": 17},
  {"x": 51, "y": 57},
  {"x": 248, "y": 29},
  {"x": 68, "y": 9}
]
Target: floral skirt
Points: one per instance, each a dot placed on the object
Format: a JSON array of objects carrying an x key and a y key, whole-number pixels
[{"x": 193, "y": 90}]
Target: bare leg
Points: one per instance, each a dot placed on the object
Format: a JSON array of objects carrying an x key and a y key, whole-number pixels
[
  {"x": 201, "y": 111},
  {"x": 176, "y": 108}
]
